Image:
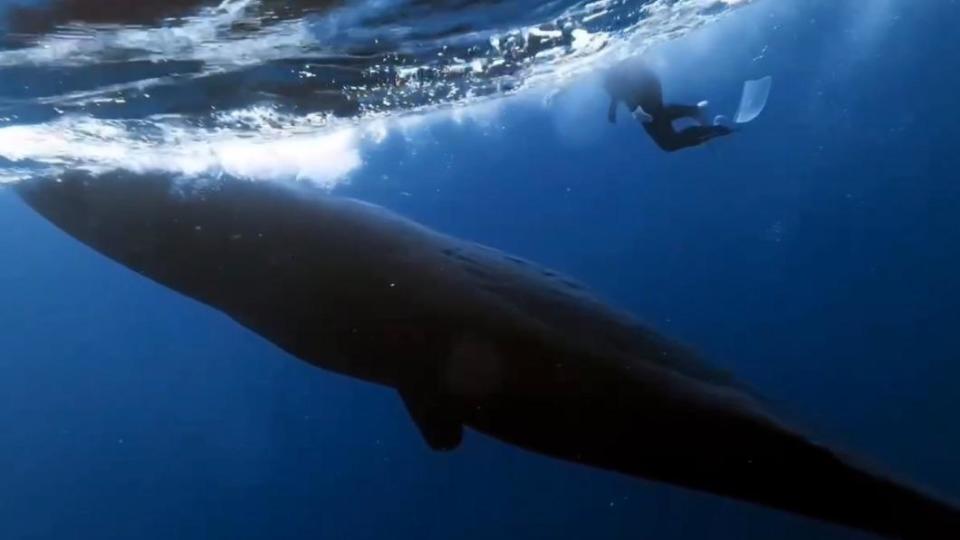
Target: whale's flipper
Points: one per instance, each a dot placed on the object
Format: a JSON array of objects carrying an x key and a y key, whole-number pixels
[
  {"x": 753, "y": 100},
  {"x": 433, "y": 416}
]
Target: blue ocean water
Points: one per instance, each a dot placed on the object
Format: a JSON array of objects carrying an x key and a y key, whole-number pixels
[{"x": 815, "y": 254}]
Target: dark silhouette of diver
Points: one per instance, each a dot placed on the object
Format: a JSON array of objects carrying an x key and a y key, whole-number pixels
[{"x": 638, "y": 87}]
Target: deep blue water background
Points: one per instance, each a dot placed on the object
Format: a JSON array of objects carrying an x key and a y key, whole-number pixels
[{"x": 816, "y": 254}]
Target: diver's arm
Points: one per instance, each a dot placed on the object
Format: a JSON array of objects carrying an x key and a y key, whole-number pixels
[{"x": 612, "y": 111}]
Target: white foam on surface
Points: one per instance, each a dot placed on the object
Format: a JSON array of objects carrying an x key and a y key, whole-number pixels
[
  {"x": 269, "y": 148},
  {"x": 257, "y": 141},
  {"x": 203, "y": 37}
]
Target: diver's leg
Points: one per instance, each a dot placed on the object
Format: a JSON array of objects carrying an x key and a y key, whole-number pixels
[
  {"x": 676, "y": 112},
  {"x": 671, "y": 140},
  {"x": 696, "y": 112},
  {"x": 642, "y": 116}
]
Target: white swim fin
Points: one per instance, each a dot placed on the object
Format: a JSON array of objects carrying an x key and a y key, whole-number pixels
[{"x": 753, "y": 100}]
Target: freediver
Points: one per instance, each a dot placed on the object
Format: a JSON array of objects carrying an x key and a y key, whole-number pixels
[{"x": 637, "y": 86}]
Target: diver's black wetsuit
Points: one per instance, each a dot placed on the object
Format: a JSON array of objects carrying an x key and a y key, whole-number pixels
[{"x": 636, "y": 85}]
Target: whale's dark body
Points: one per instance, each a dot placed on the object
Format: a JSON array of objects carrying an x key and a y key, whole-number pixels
[{"x": 472, "y": 337}]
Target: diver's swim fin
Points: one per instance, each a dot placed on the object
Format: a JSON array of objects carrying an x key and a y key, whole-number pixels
[{"x": 753, "y": 99}]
